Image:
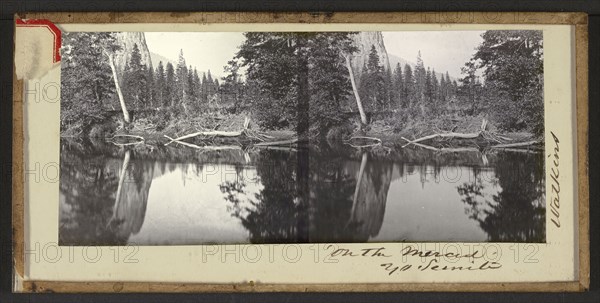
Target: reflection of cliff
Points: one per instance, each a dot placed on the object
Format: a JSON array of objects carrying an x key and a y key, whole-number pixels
[
  {"x": 104, "y": 201},
  {"x": 368, "y": 207},
  {"x": 346, "y": 200},
  {"x": 131, "y": 197}
]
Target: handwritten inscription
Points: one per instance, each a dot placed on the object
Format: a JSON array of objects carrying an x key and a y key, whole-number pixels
[
  {"x": 554, "y": 174},
  {"x": 432, "y": 265},
  {"x": 431, "y": 260},
  {"x": 365, "y": 252},
  {"x": 411, "y": 251}
]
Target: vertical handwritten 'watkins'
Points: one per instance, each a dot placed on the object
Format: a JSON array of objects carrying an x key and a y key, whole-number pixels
[{"x": 554, "y": 173}]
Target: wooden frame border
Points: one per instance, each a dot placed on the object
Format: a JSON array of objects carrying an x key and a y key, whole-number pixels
[{"x": 579, "y": 20}]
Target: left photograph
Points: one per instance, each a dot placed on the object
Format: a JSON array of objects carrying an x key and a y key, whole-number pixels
[{"x": 190, "y": 138}]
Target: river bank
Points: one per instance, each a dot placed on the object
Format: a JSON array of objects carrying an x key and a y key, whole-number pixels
[{"x": 449, "y": 133}]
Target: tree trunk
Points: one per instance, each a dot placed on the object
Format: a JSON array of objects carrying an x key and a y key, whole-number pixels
[
  {"x": 120, "y": 187},
  {"x": 361, "y": 172},
  {"x": 363, "y": 116},
  {"x": 118, "y": 87}
]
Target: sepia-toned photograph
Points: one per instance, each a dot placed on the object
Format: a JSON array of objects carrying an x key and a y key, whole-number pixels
[{"x": 191, "y": 138}]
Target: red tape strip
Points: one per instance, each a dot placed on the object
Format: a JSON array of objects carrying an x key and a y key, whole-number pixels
[{"x": 50, "y": 26}]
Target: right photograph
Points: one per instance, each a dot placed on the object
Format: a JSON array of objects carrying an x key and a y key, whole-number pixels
[{"x": 193, "y": 138}]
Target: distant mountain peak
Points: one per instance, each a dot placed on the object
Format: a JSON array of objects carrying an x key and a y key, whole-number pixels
[{"x": 156, "y": 58}]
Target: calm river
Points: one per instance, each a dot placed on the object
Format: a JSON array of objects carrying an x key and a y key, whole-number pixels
[{"x": 142, "y": 195}]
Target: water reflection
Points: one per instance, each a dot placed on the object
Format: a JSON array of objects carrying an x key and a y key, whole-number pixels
[
  {"x": 517, "y": 212},
  {"x": 174, "y": 196}
]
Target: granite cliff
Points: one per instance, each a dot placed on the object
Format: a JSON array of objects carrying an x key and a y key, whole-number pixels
[
  {"x": 127, "y": 40},
  {"x": 364, "y": 41}
]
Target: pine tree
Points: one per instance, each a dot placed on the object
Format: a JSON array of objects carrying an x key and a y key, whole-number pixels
[
  {"x": 286, "y": 69},
  {"x": 170, "y": 86},
  {"x": 398, "y": 87},
  {"x": 198, "y": 89},
  {"x": 190, "y": 90},
  {"x": 448, "y": 88},
  {"x": 470, "y": 86},
  {"x": 135, "y": 79},
  {"x": 160, "y": 85},
  {"x": 428, "y": 91},
  {"x": 373, "y": 83},
  {"x": 210, "y": 79},
  {"x": 435, "y": 88},
  {"x": 210, "y": 85},
  {"x": 387, "y": 80},
  {"x": 513, "y": 67},
  {"x": 409, "y": 92},
  {"x": 205, "y": 88},
  {"x": 151, "y": 88},
  {"x": 442, "y": 91},
  {"x": 420, "y": 74},
  {"x": 181, "y": 78},
  {"x": 232, "y": 86},
  {"x": 87, "y": 84}
]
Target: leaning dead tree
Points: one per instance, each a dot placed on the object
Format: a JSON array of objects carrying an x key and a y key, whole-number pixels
[
  {"x": 361, "y": 111},
  {"x": 111, "y": 62}
]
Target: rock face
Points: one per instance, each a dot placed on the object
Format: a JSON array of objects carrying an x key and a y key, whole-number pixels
[
  {"x": 364, "y": 41},
  {"x": 127, "y": 40}
]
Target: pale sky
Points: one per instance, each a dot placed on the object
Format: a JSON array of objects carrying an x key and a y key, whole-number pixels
[
  {"x": 442, "y": 50},
  {"x": 205, "y": 51}
]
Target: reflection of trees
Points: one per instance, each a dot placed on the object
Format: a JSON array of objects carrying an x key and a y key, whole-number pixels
[
  {"x": 103, "y": 201},
  {"x": 86, "y": 187},
  {"x": 517, "y": 213},
  {"x": 346, "y": 200},
  {"x": 332, "y": 187},
  {"x": 275, "y": 214}
]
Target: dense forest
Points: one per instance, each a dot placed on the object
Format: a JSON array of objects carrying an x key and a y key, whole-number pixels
[
  {"x": 303, "y": 82},
  {"x": 372, "y": 128}
]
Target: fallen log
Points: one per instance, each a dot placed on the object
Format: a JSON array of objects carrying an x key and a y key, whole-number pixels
[
  {"x": 444, "y": 135},
  {"x": 451, "y": 135},
  {"x": 140, "y": 140},
  {"x": 363, "y": 137},
  {"x": 210, "y": 147},
  {"x": 521, "y": 150},
  {"x": 129, "y": 136},
  {"x": 211, "y": 133},
  {"x": 282, "y": 148},
  {"x": 518, "y": 144},
  {"x": 445, "y": 149},
  {"x": 423, "y": 145},
  {"x": 459, "y": 149},
  {"x": 275, "y": 143},
  {"x": 377, "y": 141}
]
